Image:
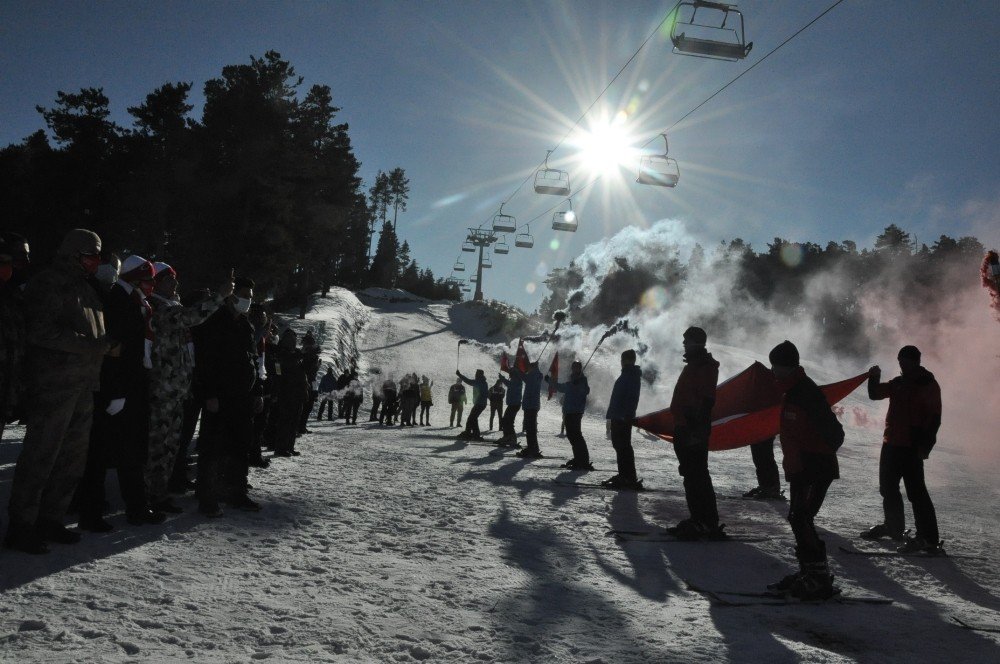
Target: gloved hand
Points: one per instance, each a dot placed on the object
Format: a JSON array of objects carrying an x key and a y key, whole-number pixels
[
  {"x": 115, "y": 407},
  {"x": 607, "y": 429}
]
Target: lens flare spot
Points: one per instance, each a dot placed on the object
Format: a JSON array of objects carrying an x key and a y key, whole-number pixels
[
  {"x": 643, "y": 86},
  {"x": 791, "y": 254},
  {"x": 530, "y": 288},
  {"x": 654, "y": 299},
  {"x": 542, "y": 269},
  {"x": 554, "y": 244}
]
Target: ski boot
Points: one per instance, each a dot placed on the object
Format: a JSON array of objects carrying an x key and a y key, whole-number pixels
[
  {"x": 920, "y": 545},
  {"x": 619, "y": 482},
  {"x": 814, "y": 583},
  {"x": 784, "y": 586},
  {"x": 881, "y": 530},
  {"x": 528, "y": 453}
]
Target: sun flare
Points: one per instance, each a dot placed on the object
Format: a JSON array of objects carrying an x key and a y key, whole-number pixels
[{"x": 606, "y": 147}]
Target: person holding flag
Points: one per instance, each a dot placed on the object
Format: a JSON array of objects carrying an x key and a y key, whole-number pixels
[
  {"x": 575, "y": 392},
  {"x": 515, "y": 390},
  {"x": 531, "y": 402},
  {"x": 480, "y": 391}
]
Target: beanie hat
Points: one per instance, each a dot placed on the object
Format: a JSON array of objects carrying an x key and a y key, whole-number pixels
[
  {"x": 629, "y": 355},
  {"x": 909, "y": 352},
  {"x": 80, "y": 241},
  {"x": 136, "y": 268},
  {"x": 695, "y": 335},
  {"x": 784, "y": 354},
  {"x": 161, "y": 269}
]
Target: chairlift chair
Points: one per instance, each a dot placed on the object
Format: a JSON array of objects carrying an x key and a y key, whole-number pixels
[
  {"x": 551, "y": 181},
  {"x": 487, "y": 262},
  {"x": 468, "y": 246},
  {"x": 501, "y": 247},
  {"x": 524, "y": 240},
  {"x": 659, "y": 169},
  {"x": 466, "y": 289},
  {"x": 504, "y": 223},
  {"x": 713, "y": 37},
  {"x": 565, "y": 220},
  {"x": 473, "y": 279},
  {"x": 459, "y": 267}
]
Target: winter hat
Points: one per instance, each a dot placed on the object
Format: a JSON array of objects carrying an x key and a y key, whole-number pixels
[
  {"x": 80, "y": 241},
  {"x": 629, "y": 356},
  {"x": 288, "y": 338},
  {"x": 136, "y": 268},
  {"x": 910, "y": 353},
  {"x": 784, "y": 354},
  {"x": 161, "y": 269},
  {"x": 695, "y": 335}
]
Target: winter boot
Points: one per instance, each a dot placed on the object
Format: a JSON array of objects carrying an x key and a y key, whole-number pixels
[
  {"x": 752, "y": 493},
  {"x": 528, "y": 453},
  {"x": 882, "y": 530},
  {"x": 814, "y": 583},
  {"x": 785, "y": 585},
  {"x": 769, "y": 493},
  {"x": 24, "y": 537},
  {"x": 919, "y": 544},
  {"x": 95, "y": 525},
  {"x": 53, "y": 531},
  {"x": 619, "y": 482}
]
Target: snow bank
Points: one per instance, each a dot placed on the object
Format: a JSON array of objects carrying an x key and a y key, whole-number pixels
[{"x": 336, "y": 321}]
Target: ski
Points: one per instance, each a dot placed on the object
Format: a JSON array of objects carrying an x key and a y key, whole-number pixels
[
  {"x": 596, "y": 485},
  {"x": 897, "y": 554},
  {"x": 995, "y": 629},
  {"x": 775, "y": 599},
  {"x": 663, "y": 536}
]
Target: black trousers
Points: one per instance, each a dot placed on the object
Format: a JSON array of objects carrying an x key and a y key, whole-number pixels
[
  {"x": 472, "y": 423},
  {"x": 904, "y": 463},
  {"x": 376, "y": 402},
  {"x": 621, "y": 440},
  {"x": 308, "y": 408},
  {"x": 806, "y": 495},
  {"x": 496, "y": 410},
  {"x": 574, "y": 433},
  {"x": 123, "y": 443},
  {"x": 222, "y": 450},
  {"x": 531, "y": 429},
  {"x": 507, "y": 423},
  {"x": 764, "y": 463},
  {"x": 351, "y": 410},
  {"x": 326, "y": 403},
  {"x": 692, "y": 455},
  {"x": 425, "y": 412}
]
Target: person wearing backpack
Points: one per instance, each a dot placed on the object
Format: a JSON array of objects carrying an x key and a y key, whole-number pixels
[
  {"x": 911, "y": 427},
  {"x": 810, "y": 437}
]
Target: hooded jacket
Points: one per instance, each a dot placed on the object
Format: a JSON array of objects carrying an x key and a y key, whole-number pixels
[
  {"x": 480, "y": 389},
  {"x": 515, "y": 388},
  {"x": 625, "y": 395},
  {"x": 532, "y": 398},
  {"x": 914, "y": 415},
  {"x": 575, "y": 392}
]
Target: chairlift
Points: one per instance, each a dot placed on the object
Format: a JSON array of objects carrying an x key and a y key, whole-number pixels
[
  {"x": 459, "y": 267},
  {"x": 565, "y": 220},
  {"x": 468, "y": 246},
  {"x": 487, "y": 262},
  {"x": 504, "y": 223},
  {"x": 474, "y": 279},
  {"x": 713, "y": 37},
  {"x": 551, "y": 180},
  {"x": 501, "y": 247},
  {"x": 659, "y": 169},
  {"x": 466, "y": 289},
  {"x": 524, "y": 240}
]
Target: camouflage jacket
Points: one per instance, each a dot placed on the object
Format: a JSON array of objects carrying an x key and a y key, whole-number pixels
[
  {"x": 64, "y": 321},
  {"x": 173, "y": 354}
]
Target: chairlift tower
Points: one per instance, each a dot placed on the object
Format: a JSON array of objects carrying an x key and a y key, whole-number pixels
[{"x": 482, "y": 238}]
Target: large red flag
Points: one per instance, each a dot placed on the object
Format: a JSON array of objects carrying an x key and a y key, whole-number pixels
[
  {"x": 747, "y": 409},
  {"x": 521, "y": 358},
  {"x": 553, "y": 375},
  {"x": 504, "y": 362}
]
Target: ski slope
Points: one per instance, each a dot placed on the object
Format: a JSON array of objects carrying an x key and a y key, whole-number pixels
[{"x": 404, "y": 545}]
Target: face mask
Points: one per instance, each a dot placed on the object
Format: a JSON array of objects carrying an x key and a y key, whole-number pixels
[
  {"x": 107, "y": 274},
  {"x": 90, "y": 263},
  {"x": 6, "y": 272},
  {"x": 242, "y": 305}
]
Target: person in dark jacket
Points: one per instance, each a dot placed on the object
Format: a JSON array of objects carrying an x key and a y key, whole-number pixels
[
  {"x": 123, "y": 406},
  {"x": 457, "y": 399},
  {"x": 291, "y": 388},
  {"x": 810, "y": 436},
  {"x": 226, "y": 366},
  {"x": 574, "y": 404},
  {"x": 515, "y": 390},
  {"x": 911, "y": 427},
  {"x": 66, "y": 343},
  {"x": 355, "y": 397},
  {"x": 310, "y": 364},
  {"x": 326, "y": 387},
  {"x": 14, "y": 261},
  {"x": 341, "y": 391},
  {"x": 497, "y": 393},
  {"x": 390, "y": 403},
  {"x": 261, "y": 324},
  {"x": 375, "y": 383},
  {"x": 480, "y": 390},
  {"x": 691, "y": 406},
  {"x": 619, "y": 418},
  {"x": 531, "y": 403}
]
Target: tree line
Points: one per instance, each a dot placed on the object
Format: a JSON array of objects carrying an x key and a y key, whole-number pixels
[
  {"x": 806, "y": 281},
  {"x": 266, "y": 182}
]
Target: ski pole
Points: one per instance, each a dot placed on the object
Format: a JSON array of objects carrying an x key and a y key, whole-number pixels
[{"x": 458, "y": 354}]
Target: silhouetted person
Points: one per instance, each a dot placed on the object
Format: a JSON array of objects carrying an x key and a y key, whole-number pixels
[{"x": 620, "y": 416}]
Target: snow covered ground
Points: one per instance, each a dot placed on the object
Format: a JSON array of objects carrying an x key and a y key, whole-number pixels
[{"x": 393, "y": 545}]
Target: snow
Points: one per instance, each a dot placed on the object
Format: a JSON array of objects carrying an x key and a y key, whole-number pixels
[{"x": 393, "y": 545}]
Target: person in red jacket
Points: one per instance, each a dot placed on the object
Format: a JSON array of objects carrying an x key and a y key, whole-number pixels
[
  {"x": 810, "y": 436},
  {"x": 910, "y": 432},
  {"x": 691, "y": 406}
]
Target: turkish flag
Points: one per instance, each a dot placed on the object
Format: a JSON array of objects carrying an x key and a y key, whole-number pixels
[
  {"x": 521, "y": 358},
  {"x": 553, "y": 375}
]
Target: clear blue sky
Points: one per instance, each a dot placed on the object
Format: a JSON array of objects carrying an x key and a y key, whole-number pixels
[{"x": 883, "y": 112}]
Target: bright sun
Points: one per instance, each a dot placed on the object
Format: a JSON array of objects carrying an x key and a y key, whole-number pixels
[{"x": 606, "y": 147}]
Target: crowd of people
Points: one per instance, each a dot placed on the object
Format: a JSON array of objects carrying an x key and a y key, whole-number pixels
[{"x": 109, "y": 368}]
